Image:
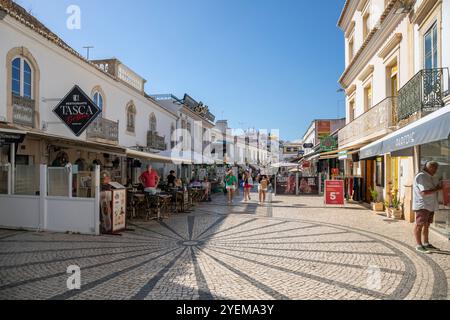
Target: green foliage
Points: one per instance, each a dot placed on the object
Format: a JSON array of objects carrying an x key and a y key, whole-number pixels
[{"x": 374, "y": 195}]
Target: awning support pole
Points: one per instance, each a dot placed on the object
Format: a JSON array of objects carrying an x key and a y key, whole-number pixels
[{"x": 13, "y": 166}]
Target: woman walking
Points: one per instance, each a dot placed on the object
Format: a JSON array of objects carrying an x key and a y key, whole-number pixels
[
  {"x": 263, "y": 184},
  {"x": 230, "y": 183},
  {"x": 248, "y": 184}
]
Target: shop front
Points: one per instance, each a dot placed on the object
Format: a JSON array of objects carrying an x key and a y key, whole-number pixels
[{"x": 407, "y": 150}]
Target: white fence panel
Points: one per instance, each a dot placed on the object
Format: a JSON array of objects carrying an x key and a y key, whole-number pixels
[{"x": 19, "y": 211}]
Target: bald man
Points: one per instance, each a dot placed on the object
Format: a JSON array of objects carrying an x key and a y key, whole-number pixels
[{"x": 425, "y": 203}]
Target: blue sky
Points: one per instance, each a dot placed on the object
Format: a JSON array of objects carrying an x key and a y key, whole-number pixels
[{"x": 269, "y": 64}]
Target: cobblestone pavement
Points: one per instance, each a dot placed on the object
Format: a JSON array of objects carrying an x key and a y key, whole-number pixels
[{"x": 294, "y": 248}]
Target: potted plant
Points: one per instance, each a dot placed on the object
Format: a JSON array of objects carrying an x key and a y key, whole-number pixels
[
  {"x": 376, "y": 205},
  {"x": 396, "y": 210}
]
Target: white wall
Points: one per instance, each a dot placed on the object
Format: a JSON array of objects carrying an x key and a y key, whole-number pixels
[{"x": 60, "y": 71}]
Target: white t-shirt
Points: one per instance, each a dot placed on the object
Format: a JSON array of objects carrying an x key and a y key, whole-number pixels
[{"x": 424, "y": 182}]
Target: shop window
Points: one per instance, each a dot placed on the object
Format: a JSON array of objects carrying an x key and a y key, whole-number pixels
[
  {"x": 379, "y": 172},
  {"x": 21, "y": 78}
]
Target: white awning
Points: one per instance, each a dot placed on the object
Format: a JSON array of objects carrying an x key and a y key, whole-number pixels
[
  {"x": 156, "y": 157},
  {"x": 434, "y": 127}
]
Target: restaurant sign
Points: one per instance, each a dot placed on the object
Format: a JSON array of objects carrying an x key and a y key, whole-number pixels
[
  {"x": 77, "y": 110},
  {"x": 7, "y": 138},
  {"x": 328, "y": 144}
]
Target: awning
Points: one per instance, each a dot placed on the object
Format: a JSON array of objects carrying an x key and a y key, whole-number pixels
[
  {"x": 156, "y": 157},
  {"x": 434, "y": 127},
  {"x": 76, "y": 143}
]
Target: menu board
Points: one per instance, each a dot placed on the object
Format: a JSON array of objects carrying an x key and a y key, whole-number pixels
[
  {"x": 105, "y": 211},
  {"x": 118, "y": 210},
  {"x": 334, "y": 192}
]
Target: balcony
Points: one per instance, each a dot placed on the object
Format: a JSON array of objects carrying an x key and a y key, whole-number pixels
[
  {"x": 104, "y": 130},
  {"x": 377, "y": 121},
  {"x": 423, "y": 94},
  {"x": 156, "y": 142},
  {"x": 23, "y": 111}
]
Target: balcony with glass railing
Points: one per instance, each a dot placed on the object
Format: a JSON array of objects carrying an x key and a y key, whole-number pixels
[
  {"x": 376, "y": 122},
  {"x": 425, "y": 93},
  {"x": 154, "y": 141},
  {"x": 104, "y": 130},
  {"x": 23, "y": 111}
]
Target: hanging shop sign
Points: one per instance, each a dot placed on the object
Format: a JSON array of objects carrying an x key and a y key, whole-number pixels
[
  {"x": 7, "y": 138},
  {"x": 334, "y": 192},
  {"x": 323, "y": 128},
  {"x": 328, "y": 144},
  {"x": 308, "y": 145},
  {"x": 77, "y": 111}
]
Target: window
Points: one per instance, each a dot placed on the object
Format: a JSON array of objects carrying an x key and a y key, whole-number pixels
[
  {"x": 366, "y": 25},
  {"x": 379, "y": 172},
  {"x": 351, "y": 49},
  {"x": 152, "y": 122},
  {"x": 352, "y": 110},
  {"x": 172, "y": 136},
  {"x": 131, "y": 117},
  {"x": 368, "y": 97},
  {"x": 98, "y": 100},
  {"x": 22, "y": 78},
  {"x": 431, "y": 48}
]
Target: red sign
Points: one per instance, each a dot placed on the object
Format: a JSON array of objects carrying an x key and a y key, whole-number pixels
[
  {"x": 335, "y": 171},
  {"x": 334, "y": 192}
]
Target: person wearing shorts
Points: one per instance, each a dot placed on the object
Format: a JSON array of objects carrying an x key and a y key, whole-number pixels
[
  {"x": 263, "y": 184},
  {"x": 248, "y": 184},
  {"x": 230, "y": 184},
  {"x": 425, "y": 203}
]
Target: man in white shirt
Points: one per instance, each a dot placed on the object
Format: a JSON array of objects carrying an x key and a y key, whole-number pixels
[{"x": 425, "y": 203}]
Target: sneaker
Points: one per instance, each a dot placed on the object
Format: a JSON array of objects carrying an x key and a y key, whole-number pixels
[
  {"x": 430, "y": 247},
  {"x": 422, "y": 249}
]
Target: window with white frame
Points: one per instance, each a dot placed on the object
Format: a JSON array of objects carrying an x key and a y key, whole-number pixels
[
  {"x": 98, "y": 100},
  {"x": 131, "y": 118},
  {"x": 153, "y": 127},
  {"x": 22, "y": 78},
  {"x": 431, "y": 48}
]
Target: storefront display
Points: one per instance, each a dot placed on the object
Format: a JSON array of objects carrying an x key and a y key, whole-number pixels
[
  {"x": 308, "y": 185},
  {"x": 286, "y": 184}
]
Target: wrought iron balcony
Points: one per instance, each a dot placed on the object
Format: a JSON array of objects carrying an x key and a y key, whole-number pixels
[
  {"x": 377, "y": 121},
  {"x": 156, "y": 142},
  {"x": 23, "y": 111},
  {"x": 103, "y": 129},
  {"x": 424, "y": 93}
]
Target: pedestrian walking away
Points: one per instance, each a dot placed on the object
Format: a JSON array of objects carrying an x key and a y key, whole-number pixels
[{"x": 231, "y": 185}]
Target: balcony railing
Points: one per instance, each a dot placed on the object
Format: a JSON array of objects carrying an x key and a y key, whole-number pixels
[
  {"x": 156, "y": 142},
  {"x": 424, "y": 93},
  {"x": 23, "y": 111},
  {"x": 103, "y": 129},
  {"x": 379, "y": 118}
]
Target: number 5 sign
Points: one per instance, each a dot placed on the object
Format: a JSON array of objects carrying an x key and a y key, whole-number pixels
[{"x": 334, "y": 192}]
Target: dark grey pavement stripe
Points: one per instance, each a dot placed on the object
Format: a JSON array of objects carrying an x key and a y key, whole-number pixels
[
  {"x": 228, "y": 229},
  {"x": 296, "y": 242},
  {"x": 165, "y": 225},
  {"x": 148, "y": 287},
  {"x": 81, "y": 257},
  {"x": 55, "y": 275},
  {"x": 156, "y": 232},
  {"x": 248, "y": 237},
  {"x": 249, "y": 230},
  {"x": 294, "y": 237},
  {"x": 213, "y": 225},
  {"x": 93, "y": 284},
  {"x": 10, "y": 235},
  {"x": 330, "y": 282},
  {"x": 382, "y": 254},
  {"x": 227, "y": 249},
  {"x": 68, "y": 241},
  {"x": 72, "y": 249},
  {"x": 191, "y": 222},
  {"x": 203, "y": 289},
  {"x": 257, "y": 284}
]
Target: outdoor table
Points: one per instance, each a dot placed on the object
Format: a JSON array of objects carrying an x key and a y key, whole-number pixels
[
  {"x": 137, "y": 201},
  {"x": 164, "y": 203}
]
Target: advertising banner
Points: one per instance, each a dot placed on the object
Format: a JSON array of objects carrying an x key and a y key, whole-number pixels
[
  {"x": 328, "y": 144},
  {"x": 308, "y": 185},
  {"x": 286, "y": 184},
  {"x": 334, "y": 192},
  {"x": 323, "y": 128}
]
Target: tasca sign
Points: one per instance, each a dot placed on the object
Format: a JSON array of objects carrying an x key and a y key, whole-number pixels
[{"x": 77, "y": 110}]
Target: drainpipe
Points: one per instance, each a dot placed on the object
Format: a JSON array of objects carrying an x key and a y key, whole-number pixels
[{"x": 13, "y": 166}]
